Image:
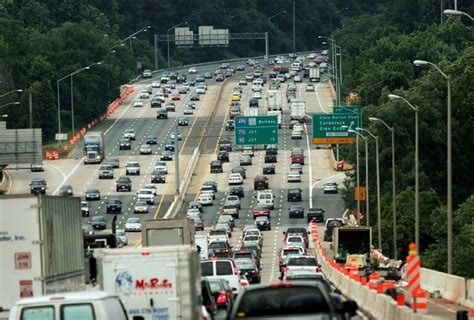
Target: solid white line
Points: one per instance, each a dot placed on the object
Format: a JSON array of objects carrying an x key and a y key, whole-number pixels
[
  {"x": 10, "y": 184},
  {"x": 69, "y": 174},
  {"x": 120, "y": 117},
  {"x": 319, "y": 100}
]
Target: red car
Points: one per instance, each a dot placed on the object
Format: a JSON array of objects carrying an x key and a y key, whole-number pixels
[
  {"x": 276, "y": 69},
  {"x": 259, "y": 211},
  {"x": 176, "y": 97},
  {"x": 220, "y": 77}
]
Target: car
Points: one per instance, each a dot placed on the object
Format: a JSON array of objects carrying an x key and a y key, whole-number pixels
[
  {"x": 223, "y": 156},
  {"x": 166, "y": 155},
  {"x": 147, "y": 74},
  {"x": 220, "y": 249},
  {"x": 188, "y": 111},
  {"x": 263, "y": 223},
  {"x": 146, "y": 195},
  {"x": 229, "y": 125},
  {"x": 293, "y": 123},
  {"x": 270, "y": 158},
  {"x": 158, "y": 176},
  {"x": 330, "y": 187},
  {"x": 98, "y": 222},
  {"x": 310, "y": 87},
  {"x": 301, "y": 262},
  {"x": 155, "y": 84},
  {"x": 198, "y": 223},
  {"x": 237, "y": 191},
  {"x": 140, "y": 207},
  {"x": 242, "y": 82},
  {"x": 261, "y": 182},
  {"x": 218, "y": 234},
  {"x": 269, "y": 169},
  {"x": 227, "y": 219},
  {"x": 252, "y": 239},
  {"x": 145, "y": 149},
  {"x": 209, "y": 185},
  {"x": 123, "y": 184},
  {"x": 125, "y": 144},
  {"x": 296, "y": 167},
  {"x": 161, "y": 166},
  {"x": 224, "y": 226},
  {"x": 138, "y": 103},
  {"x": 162, "y": 114},
  {"x": 114, "y": 206},
  {"x": 205, "y": 199},
  {"x": 294, "y": 176},
  {"x": 232, "y": 200},
  {"x": 201, "y": 89},
  {"x": 195, "y": 205},
  {"x": 295, "y": 240},
  {"x": 194, "y": 97},
  {"x": 257, "y": 95},
  {"x": 36, "y": 167},
  {"x": 175, "y": 97},
  {"x": 170, "y": 107},
  {"x": 132, "y": 167},
  {"x": 250, "y": 269},
  {"x": 121, "y": 236},
  {"x": 113, "y": 162},
  {"x": 260, "y": 211},
  {"x": 129, "y": 134},
  {"x": 183, "y": 90},
  {"x": 173, "y": 136},
  {"x": 183, "y": 121},
  {"x": 315, "y": 214},
  {"x": 87, "y": 229},
  {"x": 193, "y": 212},
  {"x": 151, "y": 140},
  {"x": 245, "y": 160},
  {"x": 66, "y": 190},
  {"x": 92, "y": 195},
  {"x": 287, "y": 251},
  {"x": 200, "y": 78},
  {"x": 249, "y": 77},
  {"x": 170, "y": 147},
  {"x": 192, "y": 70},
  {"x": 133, "y": 224},
  {"x": 296, "y": 211},
  {"x": 297, "y": 79},
  {"x": 234, "y": 111},
  {"x": 38, "y": 185},
  {"x": 224, "y": 269},
  {"x": 241, "y": 170},
  {"x": 235, "y": 178},
  {"x": 247, "y": 151},
  {"x": 222, "y": 293},
  {"x": 85, "y": 208},
  {"x": 294, "y": 194},
  {"x": 225, "y": 144},
  {"x": 296, "y": 134},
  {"x": 253, "y": 103}
]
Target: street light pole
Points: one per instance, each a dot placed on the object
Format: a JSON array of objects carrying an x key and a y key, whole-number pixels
[
  {"x": 451, "y": 12},
  {"x": 357, "y": 165},
  {"x": 294, "y": 28},
  {"x": 59, "y": 106},
  {"x": 394, "y": 190}
]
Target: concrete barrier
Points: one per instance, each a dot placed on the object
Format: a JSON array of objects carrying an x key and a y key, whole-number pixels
[
  {"x": 331, "y": 88},
  {"x": 451, "y": 287},
  {"x": 469, "y": 301}
]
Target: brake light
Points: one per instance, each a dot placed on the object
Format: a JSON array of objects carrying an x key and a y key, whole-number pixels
[
  {"x": 281, "y": 285},
  {"x": 318, "y": 269},
  {"x": 284, "y": 268},
  {"x": 145, "y": 253},
  {"x": 243, "y": 283},
  {"x": 236, "y": 270},
  {"x": 254, "y": 271},
  {"x": 222, "y": 298}
]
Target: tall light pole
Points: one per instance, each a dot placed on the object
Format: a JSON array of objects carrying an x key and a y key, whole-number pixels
[
  {"x": 449, "y": 160},
  {"x": 294, "y": 28},
  {"x": 377, "y": 163},
  {"x": 417, "y": 167},
  {"x": 339, "y": 78},
  {"x": 9, "y": 104},
  {"x": 357, "y": 166},
  {"x": 168, "y": 39},
  {"x": 335, "y": 65},
  {"x": 450, "y": 12},
  {"x": 277, "y": 14},
  {"x": 10, "y": 92},
  {"x": 394, "y": 190}
]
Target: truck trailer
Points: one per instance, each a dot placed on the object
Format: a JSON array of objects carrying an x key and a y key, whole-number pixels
[
  {"x": 351, "y": 241},
  {"x": 314, "y": 74},
  {"x": 94, "y": 149},
  {"x": 274, "y": 100},
  {"x": 298, "y": 111}
]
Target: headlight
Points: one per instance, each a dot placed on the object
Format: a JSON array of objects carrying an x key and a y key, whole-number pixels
[{"x": 42, "y": 188}]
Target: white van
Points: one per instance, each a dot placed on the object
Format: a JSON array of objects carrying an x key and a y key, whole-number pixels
[
  {"x": 296, "y": 65},
  {"x": 86, "y": 305},
  {"x": 222, "y": 269},
  {"x": 266, "y": 198}
]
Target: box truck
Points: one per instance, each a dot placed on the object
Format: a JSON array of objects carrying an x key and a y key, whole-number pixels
[
  {"x": 41, "y": 249},
  {"x": 314, "y": 74},
  {"x": 274, "y": 100},
  {"x": 153, "y": 282},
  {"x": 298, "y": 111},
  {"x": 351, "y": 241}
]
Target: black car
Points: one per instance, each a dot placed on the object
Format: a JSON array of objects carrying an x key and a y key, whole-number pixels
[
  {"x": 158, "y": 176},
  {"x": 216, "y": 166},
  {"x": 113, "y": 162},
  {"x": 223, "y": 156},
  {"x": 125, "y": 144},
  {"x": 296, "y": 211},
  {"x": 222, "y": 293},
  {"x": 123, "y": 184},
  {"x": 240, "y": 170},
  {"x": 253, "y": 103},
  {"x": 269, "y": 169},
  {"x": 98, "y": 222},
  {"x": 263, "y": 223},
  {"x": 209, "y": 185},
  {"x": 229, "y": 125},
  {"x": 162, "y": 114},
  {"x": 92, "y": 194},
  {"x": 66, "y": 190},
  {"x": 169, "y": 147},
  {"x": 270, "y": 158},
  {"x": 220, "y": 249},
  {"x": 250, "y": 269},
  {"x": 194, "y": 97},
  {"x": 114, "y": 206},
  {"x": 260, "y": 183},
  {"x": 315, "y": 214},
  {"x": 87, "y": 229},
  {"x": 36, "y": 167},
  {"x": 151, "y": 140},
  {"x": 38, "y": 185},
  {"x": 271, "y": 150},
  {"x": 166, "y": 156},
  {"x": 237, "y": 191},
  {"x": 294, "y": 194},
  {"x": 182, "y": 121}
]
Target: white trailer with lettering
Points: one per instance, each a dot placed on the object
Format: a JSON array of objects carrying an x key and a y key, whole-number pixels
[
  {"x": 41, "y": 247},
  {"x": 160, "y": 282}
]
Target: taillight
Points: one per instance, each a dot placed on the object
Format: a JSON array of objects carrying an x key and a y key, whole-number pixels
[
  {"x": 222, "y": 298},
  {"x": 318, "y": 269},
  {"x": 284, "y": 268},
  {"x": 243, "y": 283},
  {"x": 254, "y": 271}
]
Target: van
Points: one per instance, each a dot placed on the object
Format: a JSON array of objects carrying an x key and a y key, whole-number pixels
[
  {"x": 73, "y": 305},
  {"x": 216, "y": 166},
  {"x": 296, "y": 65},
  {"x": 222, "y": 269},
  {"x": 266, "y": 198}
]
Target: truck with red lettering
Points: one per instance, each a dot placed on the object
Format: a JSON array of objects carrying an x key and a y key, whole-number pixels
[{"x": 161, "y": 282}]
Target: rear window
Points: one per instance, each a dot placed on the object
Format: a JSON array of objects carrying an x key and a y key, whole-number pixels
[
  {"x": 287, "y": 252},
  {"x": 224, "y": 268},
  {"x": 282, "y": 301},
  {"x": 239, "y": 255},
  {"x": 206, "y": 269},
  {"x": 77, "y": 312},
  {"x": 302, "y": 262},
  {"x": 38, "y": 313}
]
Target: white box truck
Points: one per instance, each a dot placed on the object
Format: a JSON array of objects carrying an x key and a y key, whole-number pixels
[
  {"x": 275, "y": 113},
  {"x": 160, "y": 282},
  {"x": 314, "y": 74},
  {"x": 274, "y": 100},
  {"x": 251, "y": 112},
  {"x": 202, "y": 241},
  {"x": 41, "y": 247},
  {"x": 298, "y": 111}
]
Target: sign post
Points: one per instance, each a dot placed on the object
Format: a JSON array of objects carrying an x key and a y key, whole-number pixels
[{"x": 255, "y": 130}]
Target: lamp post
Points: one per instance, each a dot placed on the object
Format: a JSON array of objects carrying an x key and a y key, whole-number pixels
[
  {"x": 10, "y": 92},
  {"x": 294, "y": 28},
  {"x": 339, "y": 78},
  {"x": 168, "y": 38},
  {"x": 377, "y": 163},
  {"x": 8, "y": 104},
  {"x": 450, "y": 12},
  {"x": 417, "y": 180},
  {"x": 277, "y": 14},
  {"x": 349, "y": 129},
  {"x": 449, "y": 161},
  {"x": 367, "y": 203},
  {"x": 334, "y": 62},
  {"x": 144, "y": 29},
  {"x": 394, "y": 190}
]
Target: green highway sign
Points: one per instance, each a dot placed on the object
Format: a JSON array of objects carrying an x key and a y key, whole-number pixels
[
  {"x": 347, "y": 109},
  {"x": 256, "y": 130},
  {"x": 327, "y": 127}
]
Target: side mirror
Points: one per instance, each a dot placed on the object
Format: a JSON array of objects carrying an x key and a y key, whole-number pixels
[{"x": 350, "y": 307}]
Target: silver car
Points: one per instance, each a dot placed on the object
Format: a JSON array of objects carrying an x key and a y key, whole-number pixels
[
  {"x": 145, "y": 149},
  {"x": 133, "y": 224}
]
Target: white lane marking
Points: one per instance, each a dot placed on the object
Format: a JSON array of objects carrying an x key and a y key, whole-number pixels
[
  {"x": 319, "y": 100},
  {"x": 10, "y": 184},
  {"x": 120, "y": 117},
  {"x": 69, "y": 174}
]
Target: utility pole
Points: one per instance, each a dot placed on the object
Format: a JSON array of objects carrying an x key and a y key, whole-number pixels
[
  {"x": 294, "y": 28},
  {"x": 31, "y": 109},
  {"x": 176, "y": 159},
  {"x": 156, "y": 51}
]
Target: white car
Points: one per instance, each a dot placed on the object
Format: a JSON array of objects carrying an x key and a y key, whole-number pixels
[
  {"x": 297, "y": 79},
  {"x": 179, "y": 136},
  {"x": 138, "y": 103},
  {"x": 188, "y": 111},
  {"x": 200, "y": 90},
  {"x": 235, "y": 178},
  {"x": 247, "y": 151},
  {"x": 161, "y": 96},
  {"x": 257, "y": 88},
  {"x": 296, "y": 134},
  {"x": 144, "y": 95},
  {"x": 294, "y": 176},
  {"x": 310, "y": 87},
  {"x": 209, "y": 192},
  {"x": 192, "y": 70},
  {"x": 257, "y": 95},
  {"x": 146, "y": 195},
  {"x": 129, "y": 134},
  {"x": 294, "y": 240},
  {"x": 140, "y": 207},
  {"x": 330, "y": 187},
  {"x": 132, "y": 167},
  {"x": 296, "y": 167},
  {"x": 249, "y": 77},
  {"x": 145, "y": 149},
  {"x": 151, "y": 187},
  {"x": 232, "y": 201},
  {"x": 155, "y": 84},
  {"x": 205, "y": 199},
  {"x": 161, "y": 166},
  {"x": 193, "y": 212},
  {"x": 133, "y": 224}
]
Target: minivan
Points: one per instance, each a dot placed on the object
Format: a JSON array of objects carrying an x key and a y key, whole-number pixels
[
  {"x": 216, "y": 166},
  {"x": 265, "y": 198},
  {"x": 222, "y": 269}
]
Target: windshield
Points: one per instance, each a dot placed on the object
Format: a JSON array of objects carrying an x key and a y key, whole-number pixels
[{"x": 133, "y": 220}]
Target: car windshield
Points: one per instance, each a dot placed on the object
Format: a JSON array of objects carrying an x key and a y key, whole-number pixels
[
  {"x": 218, "y": 245},
  {"x": 287, "y": 252},
  {"x": 300, "y": 261},
  {"x": 37, "y": 182},
  {"x": 251, "y": 238},
  {"x": 133, "y": 220}
]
